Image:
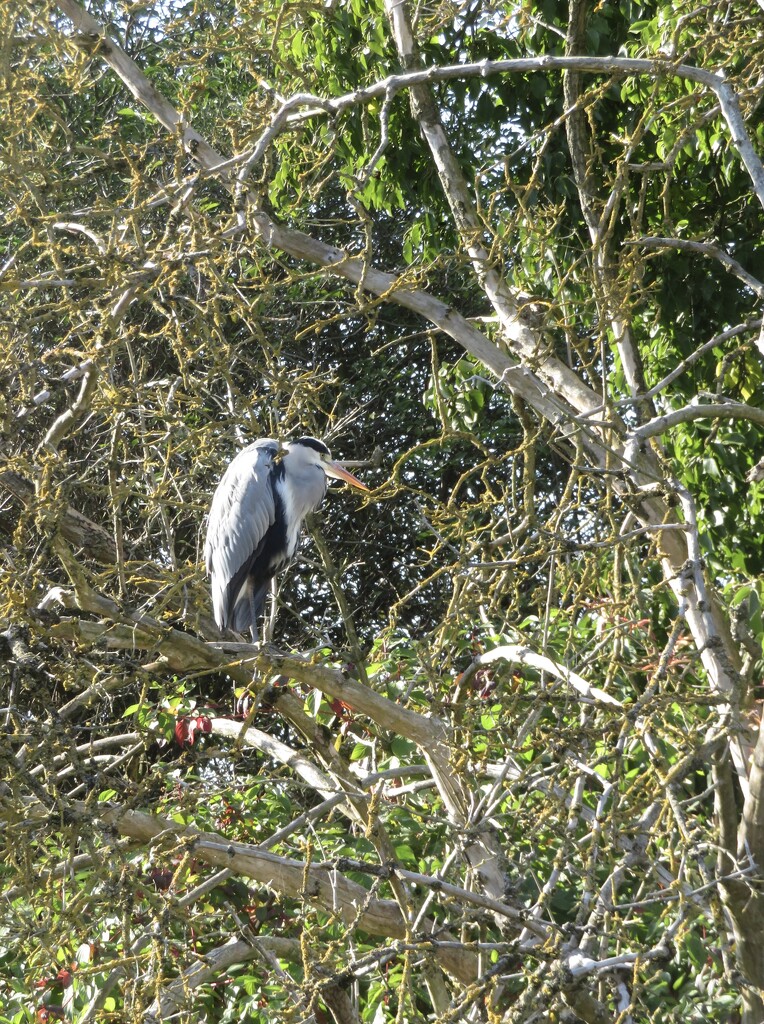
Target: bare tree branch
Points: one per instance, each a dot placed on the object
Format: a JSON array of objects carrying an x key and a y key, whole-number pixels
[
  {"x": 714, "y": 252},
  {"x": 699, "y": 411}
]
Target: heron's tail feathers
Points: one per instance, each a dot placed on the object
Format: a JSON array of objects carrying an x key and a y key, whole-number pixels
[{"x": 247, "y": 606}]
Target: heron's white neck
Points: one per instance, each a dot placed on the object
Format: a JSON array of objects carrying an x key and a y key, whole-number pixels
[{"x": 299, "y": 501}]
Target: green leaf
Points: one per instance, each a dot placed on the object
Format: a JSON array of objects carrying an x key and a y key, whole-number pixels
[
  {"x": 402, "y": 748},
  {"x": 405, "y": 854}
]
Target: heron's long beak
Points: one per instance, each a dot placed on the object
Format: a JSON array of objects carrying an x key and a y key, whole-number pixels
[{"x": 338, "y": 472}]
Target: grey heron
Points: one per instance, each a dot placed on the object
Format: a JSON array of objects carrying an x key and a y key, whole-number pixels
[{"x": 256, "y": 518}]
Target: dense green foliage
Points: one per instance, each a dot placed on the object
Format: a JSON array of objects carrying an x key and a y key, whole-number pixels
[{"x": 148, "y": 332}]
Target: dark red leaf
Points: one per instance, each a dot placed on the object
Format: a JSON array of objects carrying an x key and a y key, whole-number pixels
[
  {"x": 341, "y": 708},
  {"x": 160, "y": 878},
  {"x": 188, "y": 726}
]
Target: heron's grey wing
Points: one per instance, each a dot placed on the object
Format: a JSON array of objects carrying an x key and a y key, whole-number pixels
[{"x": 242, "y": 510}]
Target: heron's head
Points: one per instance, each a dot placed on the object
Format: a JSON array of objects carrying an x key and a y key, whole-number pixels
[{"x": 309, "y": 451}]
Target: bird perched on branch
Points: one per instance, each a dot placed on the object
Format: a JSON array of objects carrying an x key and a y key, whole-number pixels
[{"x": 256, "y": 519}]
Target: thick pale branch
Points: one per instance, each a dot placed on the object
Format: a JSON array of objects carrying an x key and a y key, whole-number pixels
[
  {"x": 699, "y": 411},
  {"x": 520, "y": 380},
  {"x": 423, "y": 730},
  {"x": 272, "y": 747},
  {"x": 528, "y": 343},
  {"x": 744, "y": 897},
  {"x": 516, "y": 654},
  {"x": 94, "y": 38},
  {"x": 751, "y": 832},
  {"x": 184, "y": 652}
]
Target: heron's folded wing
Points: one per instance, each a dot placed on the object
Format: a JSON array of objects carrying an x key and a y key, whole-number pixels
[{"x": 243, "y": 509}]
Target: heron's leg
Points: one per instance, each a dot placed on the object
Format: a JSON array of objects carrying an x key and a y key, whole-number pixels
[
  {"x": 270, "y": 622},
  {"x": 253, "y": 610}
]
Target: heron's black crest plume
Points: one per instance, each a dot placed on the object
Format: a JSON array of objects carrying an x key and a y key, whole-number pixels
[{"x": 314, "y": 443}]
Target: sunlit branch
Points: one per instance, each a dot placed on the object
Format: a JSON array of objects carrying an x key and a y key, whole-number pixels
[
  {"x": 685, "y": 364},
  {"x": 635, "y": 66},
  {"x": 699, "y": 411},
  {"x": 703, "y": 249},
  {"x": 517, "y": 654}
]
